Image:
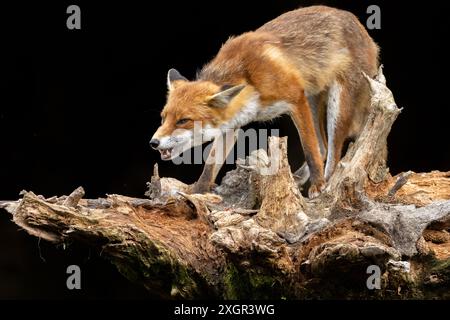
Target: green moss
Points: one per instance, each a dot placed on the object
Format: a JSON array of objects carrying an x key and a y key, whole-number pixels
[
  {"x": 183, "y": 285},
  {"x": 441, "y": 266},
  {"x": 250, "y": 283},
  {"x": 260, "y": 281},
  {"x": 142, "y": 261},
  {"x": 234, "y": 285},
  {"x": 440, "y": 273}
]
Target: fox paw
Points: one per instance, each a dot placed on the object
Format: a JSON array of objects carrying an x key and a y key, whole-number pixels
[{"x": 315, "y": 190}]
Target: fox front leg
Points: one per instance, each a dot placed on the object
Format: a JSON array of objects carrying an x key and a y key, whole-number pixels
[
  {"x": 221, "y": 147},
  {"x": 303, "y": 118}
]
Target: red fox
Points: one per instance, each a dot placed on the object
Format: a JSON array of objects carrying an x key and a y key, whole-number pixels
[{"x": 307, "y": 63}]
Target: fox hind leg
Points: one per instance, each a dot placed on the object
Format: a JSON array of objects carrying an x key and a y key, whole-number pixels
[
  {"x": 317, "y": 104},
  {"x": 338, "y": 124},
  {"x": 318, "y": 108},
  {"x": 303, "y": 119}
]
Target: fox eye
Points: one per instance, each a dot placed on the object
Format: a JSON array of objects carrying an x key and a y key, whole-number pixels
[{"x": 182, "y": 121}]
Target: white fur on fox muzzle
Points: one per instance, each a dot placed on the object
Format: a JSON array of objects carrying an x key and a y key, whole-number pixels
[
  {"x": 165, "y": 147},
  {"x": 172, "y": 146}
]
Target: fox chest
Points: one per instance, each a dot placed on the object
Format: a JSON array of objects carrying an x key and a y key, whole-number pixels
[
  {"x": 266, "y": 113},
  {"x": 255, "y": 112}
]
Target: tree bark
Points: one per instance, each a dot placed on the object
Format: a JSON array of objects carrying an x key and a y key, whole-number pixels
[{"x": 256, "y": 236}]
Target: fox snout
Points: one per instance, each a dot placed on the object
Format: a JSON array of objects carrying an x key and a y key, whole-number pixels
[
  {"x": 171, "y": 145},
  {"x": 154, "y": 143},
  {"x": 166, "y": 154}
]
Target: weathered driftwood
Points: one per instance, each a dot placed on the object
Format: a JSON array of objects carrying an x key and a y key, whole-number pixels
[{"x": 256, "y": 236}]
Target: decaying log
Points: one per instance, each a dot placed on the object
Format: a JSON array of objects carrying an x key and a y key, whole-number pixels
[{"x": 256, "y": 236}]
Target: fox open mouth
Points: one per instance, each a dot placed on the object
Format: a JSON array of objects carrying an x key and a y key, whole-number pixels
[{"x": 166, "y": 154}]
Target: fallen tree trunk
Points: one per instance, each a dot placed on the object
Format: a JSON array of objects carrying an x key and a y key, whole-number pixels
[{"x": 256, "y": 236}]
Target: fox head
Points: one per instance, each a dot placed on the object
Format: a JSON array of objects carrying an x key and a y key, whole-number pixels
[{"x": 193, "y": 114}]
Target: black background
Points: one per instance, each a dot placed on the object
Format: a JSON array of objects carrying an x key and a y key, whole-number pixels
[{"x": 78, "y": 107}]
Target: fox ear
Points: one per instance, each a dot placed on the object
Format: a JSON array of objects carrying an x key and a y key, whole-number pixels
[
  {"x": 223, "y": 98},
  {"x": 172, "y": 76}
]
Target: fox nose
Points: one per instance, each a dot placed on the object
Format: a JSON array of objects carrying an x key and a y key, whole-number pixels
[{"x": 154, "y": 143}]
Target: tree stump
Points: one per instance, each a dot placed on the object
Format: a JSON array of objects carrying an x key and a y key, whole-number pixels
[{"x": 256, "y": 236}]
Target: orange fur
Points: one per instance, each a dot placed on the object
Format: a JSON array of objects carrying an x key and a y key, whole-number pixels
[{"x": 311, "y": 54}]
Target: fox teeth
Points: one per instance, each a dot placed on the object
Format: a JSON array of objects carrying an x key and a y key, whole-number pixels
[{"x": 165, "y": 154}]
